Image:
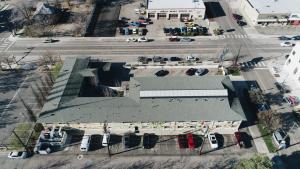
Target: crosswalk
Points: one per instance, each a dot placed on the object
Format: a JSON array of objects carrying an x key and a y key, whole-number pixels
[
  {"x": 233, "y": 36},
  {"x": 252, "y": 64},
  {"x": 4, "y": 44}
]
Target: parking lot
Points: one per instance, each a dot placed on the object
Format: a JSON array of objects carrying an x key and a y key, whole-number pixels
[
  {"x": 14, "y": 86},
  {"x": 160, "y": 145},
  {"x": 172, "y": 71},
  {"x": 155, "y": 29}
]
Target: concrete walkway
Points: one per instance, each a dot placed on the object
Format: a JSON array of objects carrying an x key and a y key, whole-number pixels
[{"x": 258, "y": 140}]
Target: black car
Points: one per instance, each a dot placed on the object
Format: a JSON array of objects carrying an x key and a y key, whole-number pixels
[
  {"x": 241, "y": 23},
  {"x": 203, "y": 30},
  {"x": 230, "y": 30},
  {"x": 162, "y": 73},
  {"x": 237, "y": 17},
  {"x": 157, "y": 59},
  {"x": 296, "y": 37},
  {"x": 142, "y": 59},
  {"x": 178, "y": 31},
  {"x": 175, "y": 59},
  {"x": 166, "y": 30},
  {"x": 284, "y": 38},
  {"x": 191, "y": 72},
  {"x": 127, "y": 140},
  {"x": 282, "y": 87},
  {"x": 149, "y": 140}
]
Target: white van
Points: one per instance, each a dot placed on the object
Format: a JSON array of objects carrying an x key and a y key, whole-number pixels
[
  {"x": 85, "y": 143},
  {"x": 105, "y": 139}
]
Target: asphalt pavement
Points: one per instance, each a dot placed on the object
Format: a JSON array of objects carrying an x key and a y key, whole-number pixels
[{"x": 119, "y": 50}]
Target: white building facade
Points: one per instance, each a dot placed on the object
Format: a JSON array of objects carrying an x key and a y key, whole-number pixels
[
  {"x": 292, "y": 66},
  {"x": 267, "y": 12},
  {"x": 175, "y": 9}
]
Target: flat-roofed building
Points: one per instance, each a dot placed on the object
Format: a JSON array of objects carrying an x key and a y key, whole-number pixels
[
  {"x": 271, "y": 11},
  {"x": 88, "y": 95},
  {"x": 175, "y": 9}
]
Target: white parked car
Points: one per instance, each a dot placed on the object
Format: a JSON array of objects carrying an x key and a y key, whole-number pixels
[
  {"x": 279, "y": 137},
  {"x": 213, "y": 141},
  {"x": 17, "y": 154},
  {"x": 199, "y": 72},
  {"x": 286, "y": 44},
  {"x": 190, "y": 58},
  {"x": 131, "y": 40},
  {"x": 105, "y": 140},
  {"x": 143, "y": 39},
  {"x": 85, "y": 143}
]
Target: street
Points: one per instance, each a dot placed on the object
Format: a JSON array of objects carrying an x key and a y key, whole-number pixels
[{"x": 119, "y": 50}]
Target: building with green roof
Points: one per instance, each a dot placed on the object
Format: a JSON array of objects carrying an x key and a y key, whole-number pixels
[{"x": 88, "y": 94}]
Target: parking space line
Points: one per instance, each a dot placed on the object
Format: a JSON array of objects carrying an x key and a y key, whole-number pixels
[{"x": 263, "y": 64}]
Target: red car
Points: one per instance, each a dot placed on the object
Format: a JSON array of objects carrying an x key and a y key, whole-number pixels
[
  {"x": 174, "y": 39},
  {"x": 191, "y": 141},
  {"x": 182, "y": 141},
  {"x": 239, "y": 140}
]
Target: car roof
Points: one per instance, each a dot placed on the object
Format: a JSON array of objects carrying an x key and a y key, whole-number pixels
[
  {"x": 16, "y": 153},
  {"x": 85, "y": 139}
]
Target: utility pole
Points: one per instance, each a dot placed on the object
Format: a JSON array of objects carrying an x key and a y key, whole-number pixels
[
  {"x": 222, "y": 55},
  {"x": 205, "y": 135},
  {"x": 107, "y": 139},
  {"x": 237, "y": 56}
]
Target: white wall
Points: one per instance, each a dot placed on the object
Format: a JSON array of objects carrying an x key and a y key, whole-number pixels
[
  {"x": 159, "y": 128},
  {"x": 250, "y": 12},
  {"x": 194, "y": 12},
  {"x": 292, "y": 65}
]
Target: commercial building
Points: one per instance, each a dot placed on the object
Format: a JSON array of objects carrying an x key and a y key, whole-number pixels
[
  {"x": 175, "y": 9},
  {"x": 265, "y": 12},
  {"x": 89, "y": 95}
]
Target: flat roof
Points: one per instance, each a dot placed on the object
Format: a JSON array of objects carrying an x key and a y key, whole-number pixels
[
  {"x": 276, "y": 6},
  {"x": 65, "y": 106},
  {"x": 183, "y": 93},
  {"x": 175, "y": 4}
]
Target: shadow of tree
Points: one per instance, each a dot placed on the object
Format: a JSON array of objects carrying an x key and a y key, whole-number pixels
[{"x": 289, "y": 161}]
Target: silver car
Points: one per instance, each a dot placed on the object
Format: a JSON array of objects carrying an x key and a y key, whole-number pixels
[
  {"x": 199, "y": 72},
  {"x": 186, "y": 40},
  {"x": 17, "y": 154},
  {"x": 279, "y": 137}
]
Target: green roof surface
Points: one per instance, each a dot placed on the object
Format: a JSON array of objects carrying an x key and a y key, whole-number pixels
[{"x": 64, "y": 105}]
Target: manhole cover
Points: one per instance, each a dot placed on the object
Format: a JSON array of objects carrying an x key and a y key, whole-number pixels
[{"x": 79, "y": 157}]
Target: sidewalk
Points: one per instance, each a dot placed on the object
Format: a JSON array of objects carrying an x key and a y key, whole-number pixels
[{"x": 258, "y": 140}]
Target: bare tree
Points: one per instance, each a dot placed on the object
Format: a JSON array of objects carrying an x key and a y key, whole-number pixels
[
  {"x": 22, "y": 10},
  {"x": 6, "y": 60},
  {"x": 271, "y": 119}
]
